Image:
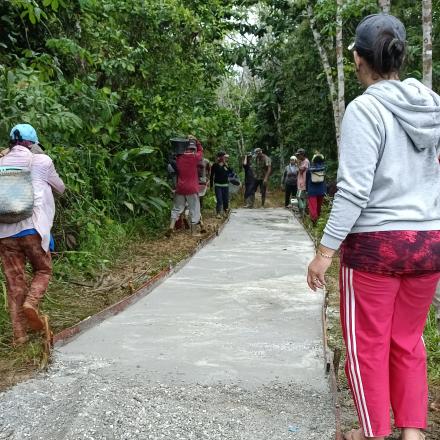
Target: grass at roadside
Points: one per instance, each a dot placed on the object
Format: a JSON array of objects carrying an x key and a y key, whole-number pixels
[{"x": 432, "y": 342}]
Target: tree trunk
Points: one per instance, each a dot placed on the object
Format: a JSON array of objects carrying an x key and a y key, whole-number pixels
[
  {"x": 427, "y": 42},
  {"x": 385, "y": 6},
  {"x": 328, "y": 72},
  {"x": 340, "y": 61},
  {"x": 277, "y": 117}
]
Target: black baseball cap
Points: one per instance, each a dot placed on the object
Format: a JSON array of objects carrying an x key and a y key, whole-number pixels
[
  {"x": 369, "y": 29},
  {"x": 301, "y": 151},
  {"x": 192, "y": 145}
]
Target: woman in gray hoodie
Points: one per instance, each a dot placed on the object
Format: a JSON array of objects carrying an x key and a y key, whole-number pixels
[{"x": 386, "y": 220}]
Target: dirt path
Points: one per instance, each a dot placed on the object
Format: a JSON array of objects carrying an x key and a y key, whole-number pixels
[{"x": 228, "y": 348}]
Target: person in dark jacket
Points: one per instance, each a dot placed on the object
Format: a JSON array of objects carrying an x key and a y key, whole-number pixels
[
  {"x": 249, "y": 182},
  {"x": 219, "y": 180},
  {"x": 316, "y": 186},
  {"x": 289, "y": 180},
  {"x": 262, "y": 167}
]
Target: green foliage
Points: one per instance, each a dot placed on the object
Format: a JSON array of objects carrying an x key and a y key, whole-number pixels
[
  {"x": 106, "y": 83},
  {"x": 432, "y": 342},
  {"x": 292, "y": 104}
]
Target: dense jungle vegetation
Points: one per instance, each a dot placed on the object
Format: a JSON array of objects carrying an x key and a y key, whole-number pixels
[{"x": 106, "y": 83}]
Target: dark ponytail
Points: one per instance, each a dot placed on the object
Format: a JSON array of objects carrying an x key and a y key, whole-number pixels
[
  {"x": 387, "y": 54},
  {"x": 16, "y": 140}
]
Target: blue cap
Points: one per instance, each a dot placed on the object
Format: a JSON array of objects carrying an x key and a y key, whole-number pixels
[{"x": 23, "y": 132}]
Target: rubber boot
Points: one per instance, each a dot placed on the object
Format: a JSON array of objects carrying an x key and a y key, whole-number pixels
[
  {"x": 170, "y": 231},
  {"x": 33, "y": 316},
  {"x": 202, "y": 227},
  {"x": 250, "y": 202}
]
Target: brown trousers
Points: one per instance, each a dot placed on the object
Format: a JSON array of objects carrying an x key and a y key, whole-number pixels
[{"x": 14, "y": 253}]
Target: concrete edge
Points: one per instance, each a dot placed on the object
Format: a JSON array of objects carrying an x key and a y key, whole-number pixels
[
  {"x": 328, "y": 358},
  {"x": 67, "y": 335},
  {"x": 330, "y": 370}
]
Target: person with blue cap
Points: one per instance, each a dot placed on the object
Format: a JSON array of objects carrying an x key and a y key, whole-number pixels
[{"x": 29, "y": 240}]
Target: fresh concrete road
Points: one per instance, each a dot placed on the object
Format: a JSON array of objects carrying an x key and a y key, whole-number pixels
[{"x": 230, "y": 347}]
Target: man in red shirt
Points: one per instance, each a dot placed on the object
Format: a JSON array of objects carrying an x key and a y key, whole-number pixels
[{"x": 187, "y": 188}]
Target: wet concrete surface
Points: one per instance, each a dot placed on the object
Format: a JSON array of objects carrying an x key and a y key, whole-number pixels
[{"x": 230, "y": 347}]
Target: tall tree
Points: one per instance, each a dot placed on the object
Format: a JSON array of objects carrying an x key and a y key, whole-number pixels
[
  {"x": 385, "y": 5},
  {"x": 235, "y": 94},
  {"x": 328, "y": 71},
  {"x": 277, "y": 119},
  {"x": 340, "y": 61},
  {"x": 427, "y": 42}
]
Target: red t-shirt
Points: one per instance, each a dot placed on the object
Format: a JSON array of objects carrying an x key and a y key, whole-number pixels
[
  {"x": 187, "y": 172},
  {"x": 393, "y": 252}
]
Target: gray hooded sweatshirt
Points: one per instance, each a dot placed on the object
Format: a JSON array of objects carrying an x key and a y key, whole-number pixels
[{"x": 389, "y": 172}]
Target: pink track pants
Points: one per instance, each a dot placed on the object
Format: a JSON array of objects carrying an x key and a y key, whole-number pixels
[{"x": 383, "y": 318}]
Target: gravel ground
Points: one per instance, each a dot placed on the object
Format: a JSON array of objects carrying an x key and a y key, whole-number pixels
[{"x": 81, "y": 401}]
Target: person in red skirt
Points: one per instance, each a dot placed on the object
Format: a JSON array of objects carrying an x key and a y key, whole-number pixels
[
  {"x": 316, "y": 186},
  {"x": 386, "y": 220}
]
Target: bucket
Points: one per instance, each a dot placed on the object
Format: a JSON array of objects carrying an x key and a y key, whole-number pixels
[{"x": 179, "y": 145}]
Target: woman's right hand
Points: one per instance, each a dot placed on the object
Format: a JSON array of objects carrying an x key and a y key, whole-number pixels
[
  {"x": 319, "y": 266},
  {"x": 316, "y": 272}
]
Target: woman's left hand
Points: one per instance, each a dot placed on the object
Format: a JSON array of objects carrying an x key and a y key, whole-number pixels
[{"x": 317, "y": 269}]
